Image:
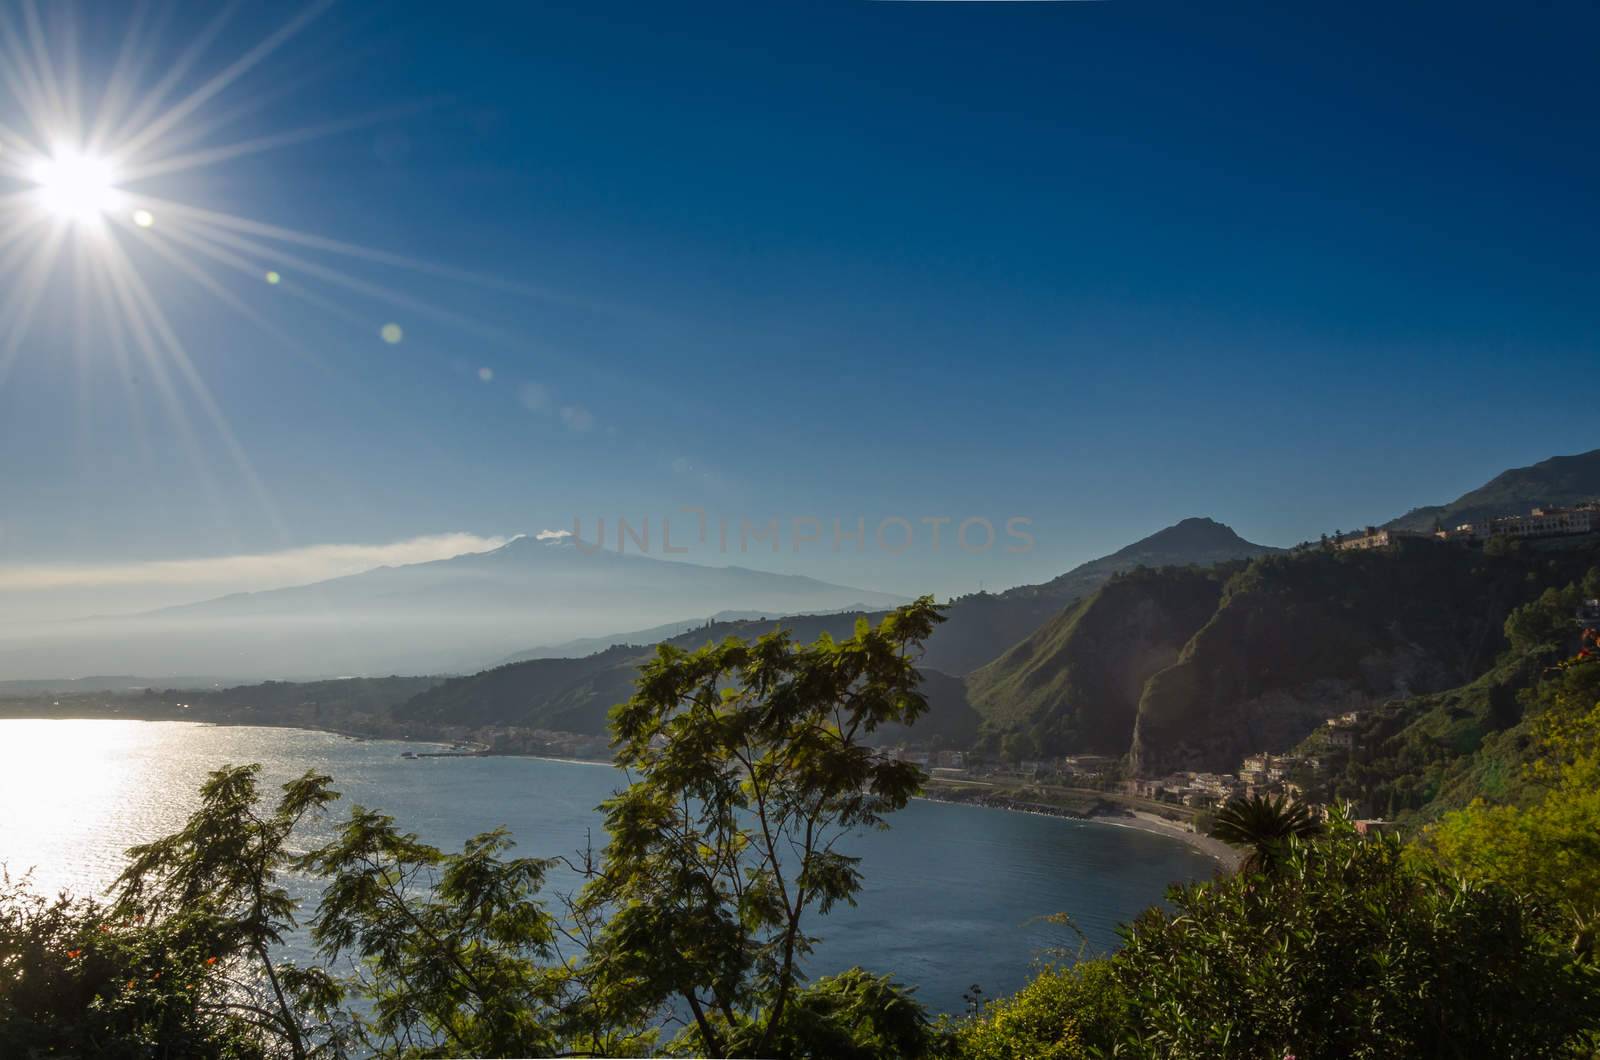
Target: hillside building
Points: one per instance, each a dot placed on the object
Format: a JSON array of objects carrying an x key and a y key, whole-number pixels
[
  {"x": 1372, "y": 537},
  {"x": 1541, "y": 522}
]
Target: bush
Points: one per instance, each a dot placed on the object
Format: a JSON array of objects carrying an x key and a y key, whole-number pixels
[
  {"x": 1348, "y": 950},
  {"x": 1064, "y": 1014}
]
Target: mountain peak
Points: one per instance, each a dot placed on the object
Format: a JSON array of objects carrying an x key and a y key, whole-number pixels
[
  {"x": 1194, "y": 532},
  {"x": 1559, "y": 480},
  {"x": 1195, "y": 541}
]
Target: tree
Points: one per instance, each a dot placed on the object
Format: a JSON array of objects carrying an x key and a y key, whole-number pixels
[
  {"x": 750, "y": 766},
  {"x": 216, "y": 883},
  {"x": 77, "y": 981},
  {"x": 455, "y": 955},
  {"x": 850, "y": 1016},
  {"x": 1545, "y": 624},
  {"x": 1265, "y": 824}
]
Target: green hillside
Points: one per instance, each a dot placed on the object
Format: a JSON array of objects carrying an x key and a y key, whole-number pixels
[
  {"x": 1075, "y": 682},
  {"x": 1421, "y": 756},
  {"x": 981, "y": 627},
  {"x": 1301, "y": 637}
]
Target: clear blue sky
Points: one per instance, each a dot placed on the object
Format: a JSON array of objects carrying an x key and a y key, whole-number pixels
[{"x": 1100, "y": 265}]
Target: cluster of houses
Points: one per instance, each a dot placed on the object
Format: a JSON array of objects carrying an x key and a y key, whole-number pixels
[
  {"x": 956, "y": 760},
  {"x": 1541, "y": 522},
  {"x": 1262, "y": 773}
]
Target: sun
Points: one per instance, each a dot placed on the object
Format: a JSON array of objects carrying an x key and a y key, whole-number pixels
[{"x": 76, "y": 186}]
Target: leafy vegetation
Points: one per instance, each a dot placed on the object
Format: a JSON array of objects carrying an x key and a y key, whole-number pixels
[
  {"x": 1265, "y": 824},
  {"x": 1345, "y": 949},
  {"x": 1548, "y": 843},
  {"x": 1419, "y": 757},
  {"x": 691, "y": 932},
  {"x": 752, "y": 763}
]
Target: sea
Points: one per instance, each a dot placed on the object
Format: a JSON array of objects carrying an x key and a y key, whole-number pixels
[{"x": 955, "y": 896}]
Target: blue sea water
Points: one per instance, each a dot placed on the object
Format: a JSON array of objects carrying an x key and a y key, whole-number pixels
[{"x": 954, "y": 895}]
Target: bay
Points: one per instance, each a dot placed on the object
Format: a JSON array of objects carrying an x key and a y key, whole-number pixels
[{"x": 954, "y": 895}]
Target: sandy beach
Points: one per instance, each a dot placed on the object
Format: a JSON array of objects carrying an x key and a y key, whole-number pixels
[{"x": 1149, "y": 822}]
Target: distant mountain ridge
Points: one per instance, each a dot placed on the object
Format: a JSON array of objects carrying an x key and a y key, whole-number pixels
[
  {"x": 1560, "y": 480},
  {"x": 577, "y": 694},
  {"x": 582, "y": 646},
  {"x": 442, "y": 616}
]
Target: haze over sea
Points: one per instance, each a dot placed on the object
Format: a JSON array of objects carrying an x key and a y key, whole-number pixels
[{"x": 953, "y": 893}]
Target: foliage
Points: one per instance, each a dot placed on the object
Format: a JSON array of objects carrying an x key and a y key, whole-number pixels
[
  {"x": 1347, "y": 950},
  {"x": 454, "y": 952},
  {"x": 850, "y": 1016},
  {"x": 1544, "y": 624},
  {"x": 1419, "y": 757},
  {"x": 1074, "y": 682},
  {"x": 1549, "y": 846},
  {"x": 77, "y": 981},
  {"x": 750, "y": 764},
  {"x": 1063, "y": 1014},
  {"x": 218, "y": 880},
  {"x": 1265, "y": 824},
  {"x": 1019, "y": 746}
]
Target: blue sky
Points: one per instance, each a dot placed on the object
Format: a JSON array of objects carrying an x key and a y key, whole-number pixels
[{"x": 1101, "y": 266}]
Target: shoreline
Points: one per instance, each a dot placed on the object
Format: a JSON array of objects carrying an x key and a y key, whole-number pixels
[
  {"x": 1225, "y": 855},
  {"x": 1229, "y": 858}
]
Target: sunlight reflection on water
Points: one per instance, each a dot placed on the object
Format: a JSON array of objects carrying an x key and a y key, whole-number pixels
[{"x": 952, "y": 897}]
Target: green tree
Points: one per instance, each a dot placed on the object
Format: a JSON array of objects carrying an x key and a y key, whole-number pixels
[
  {"x": 1265, "y": 824},
  {"x": 850, "y": 1016},
  {"x": 216, "y": 882},
  {"x": 750, "y": 765},
  {"x": 455, "y": 955},
  {"x": 1545, "y": 624},
  {"x": 77, "y": 981}
]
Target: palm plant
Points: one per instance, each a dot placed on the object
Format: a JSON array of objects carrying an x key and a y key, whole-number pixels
[{"x": 1265, "y": 824}]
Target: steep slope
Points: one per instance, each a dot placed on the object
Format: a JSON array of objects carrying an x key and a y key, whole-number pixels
[
  {"x": 982, "y": 626},
  {"x": 1556, "y": 481},
  {"x": 1075, "y": 683},
  {"x": 1299, "y": 638}
]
